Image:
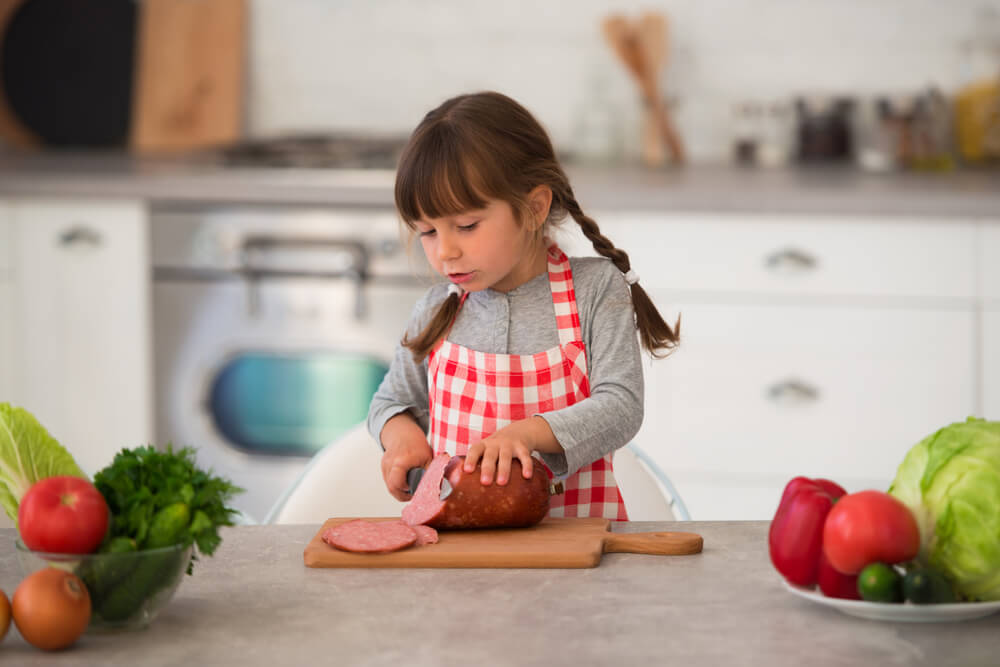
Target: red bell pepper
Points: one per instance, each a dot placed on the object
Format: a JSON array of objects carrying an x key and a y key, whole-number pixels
[
  {"x": 836, "y": 584},
  {"x": 795, "y": 540}
]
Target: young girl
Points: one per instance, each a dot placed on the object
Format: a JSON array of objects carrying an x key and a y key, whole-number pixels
[{"x": 525, "y": 352}]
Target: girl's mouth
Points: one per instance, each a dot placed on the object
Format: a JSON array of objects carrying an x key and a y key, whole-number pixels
[{"x": 459, "y": 278}]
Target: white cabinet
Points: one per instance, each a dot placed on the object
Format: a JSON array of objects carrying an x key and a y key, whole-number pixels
[
  {"x": 989, "y": 262},
  {"x": 776, "y": 256},
  {"x": 756, "y": 395},
  {"x": 810, "y": 346},
  {"x": 991, "y": 364},
  {"x": 81, "y": 323},
  {"x": 6, "y": 326}
]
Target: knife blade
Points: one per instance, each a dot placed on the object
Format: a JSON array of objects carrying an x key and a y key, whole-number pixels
[{"x": 413, "y": 477}]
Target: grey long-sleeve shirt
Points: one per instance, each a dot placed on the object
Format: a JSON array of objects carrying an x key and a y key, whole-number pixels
[{"x": 522, "y": 321}]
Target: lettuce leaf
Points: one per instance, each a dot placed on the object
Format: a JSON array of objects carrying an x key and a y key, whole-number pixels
[
  {"x": 27, "y": 454},
  {"x": 950, "y": 480}
]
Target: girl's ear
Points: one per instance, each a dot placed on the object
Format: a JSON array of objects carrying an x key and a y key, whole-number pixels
[{"x": 540, "y": 201}]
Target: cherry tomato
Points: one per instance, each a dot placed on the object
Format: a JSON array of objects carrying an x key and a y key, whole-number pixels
[
  {"x": 51, "y": 608},
  {"x": 867, "y": 527},
  {"x": 63, "y": 514}
]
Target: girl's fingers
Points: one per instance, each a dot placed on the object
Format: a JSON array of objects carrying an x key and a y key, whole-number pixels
[
  {"x": 472, "y": 456},
  {"x": 503, "y": 466},
  {"x": 489, "y": 466},
  {"x": 527, "y": 464},
  {"x": 396, "y": 481}
]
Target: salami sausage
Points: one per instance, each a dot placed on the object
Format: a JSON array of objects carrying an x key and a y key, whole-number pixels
[
  {"x": 426, "y": 503},
  {"x": 425, "y": 535},
  {"x": 471, "y": 504},
  {"x": 370, "y": 537}
]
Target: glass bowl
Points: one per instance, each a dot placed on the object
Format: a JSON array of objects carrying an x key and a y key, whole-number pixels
[{"x": 127, "y": 590}]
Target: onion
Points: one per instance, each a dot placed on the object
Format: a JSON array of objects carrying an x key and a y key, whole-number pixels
[
  {"x": 51, "y": 608},
  {"x": 4, "y": 615}
]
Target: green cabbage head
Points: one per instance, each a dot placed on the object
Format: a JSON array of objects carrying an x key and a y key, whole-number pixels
[{"x": 951, "y": 482}]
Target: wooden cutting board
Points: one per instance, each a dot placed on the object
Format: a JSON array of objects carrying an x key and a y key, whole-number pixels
[{"x": 554, "y": 543}]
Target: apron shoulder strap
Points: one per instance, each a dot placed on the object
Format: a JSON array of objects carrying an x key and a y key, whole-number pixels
[{"x": 563, "y": 296}]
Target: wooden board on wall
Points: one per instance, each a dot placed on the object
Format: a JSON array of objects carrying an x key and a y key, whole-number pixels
[
  {"x": 189, "y": 74},
  {"x": 12, "y": 130}
]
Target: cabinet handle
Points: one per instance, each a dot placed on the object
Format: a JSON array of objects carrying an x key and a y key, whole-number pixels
[
  {"x": 790, "y": 260},
  {"x": 793, "y": 391},
  {"x": 80, "y": 235}
]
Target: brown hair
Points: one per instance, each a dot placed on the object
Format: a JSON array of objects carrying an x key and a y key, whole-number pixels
[{"x": 473, "y": 148}]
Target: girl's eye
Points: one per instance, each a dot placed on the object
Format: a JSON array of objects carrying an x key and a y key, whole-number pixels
[
  {"x": 429, "y": 232},
  {"x": 469, "y": 227}
]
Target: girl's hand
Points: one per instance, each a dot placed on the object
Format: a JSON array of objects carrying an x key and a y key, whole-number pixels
[
  {"x": 405, "y": 447},
  {"x": 516, "y": 440}
]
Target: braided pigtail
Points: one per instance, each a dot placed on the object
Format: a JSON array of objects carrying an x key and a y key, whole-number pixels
[
  {"x": 656, "y": 335},
  {"x": 435, "y": 329}
]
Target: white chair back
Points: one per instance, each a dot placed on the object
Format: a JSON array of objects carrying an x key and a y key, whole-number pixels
[
  {"x": 648, "y": 493},
  {"x": 344, "y": 480}
]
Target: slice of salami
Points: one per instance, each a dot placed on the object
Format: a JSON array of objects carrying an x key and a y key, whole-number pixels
[
  {"x": 370, "y": 537},
  {"x": 425, "y": 535},
  {"x": 427, "y": 503}
]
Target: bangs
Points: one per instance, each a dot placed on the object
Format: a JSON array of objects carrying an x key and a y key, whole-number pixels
[{"x": 441, "y": 175}]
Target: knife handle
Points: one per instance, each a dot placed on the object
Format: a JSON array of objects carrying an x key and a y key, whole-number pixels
[
  {"x": 665, "y": 544},
  {"x": 413, "y": 477}
]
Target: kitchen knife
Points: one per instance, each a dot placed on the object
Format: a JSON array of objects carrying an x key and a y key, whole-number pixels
[{"x": 413, "y": 477}]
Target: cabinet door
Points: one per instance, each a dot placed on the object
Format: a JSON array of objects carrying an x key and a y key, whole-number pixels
[
  {"x": 989, "y": 262},
  {"x": 82, "y": 335},
  {"x": 758, "y": 394},
  {"x": 6, "y": 325},
  {"x": 787, "y": 256},
  {"x": 991, "y": 364}
]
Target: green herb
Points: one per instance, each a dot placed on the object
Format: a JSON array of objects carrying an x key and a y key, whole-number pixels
[
  {"x": 27, "y": 454},
  {"x": 161, "y": 498}
]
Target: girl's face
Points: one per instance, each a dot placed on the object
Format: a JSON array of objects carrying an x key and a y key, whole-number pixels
[{"x": 482, "y": 248}]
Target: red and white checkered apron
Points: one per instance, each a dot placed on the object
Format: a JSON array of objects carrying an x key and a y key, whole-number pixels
[{"x": 474, "y": 394}]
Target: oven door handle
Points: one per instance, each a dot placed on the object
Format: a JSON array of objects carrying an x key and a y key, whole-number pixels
[{"x": 264, "y": 256}]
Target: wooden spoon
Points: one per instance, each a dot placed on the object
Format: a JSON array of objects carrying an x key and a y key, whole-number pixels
[
  {"x": 652, "y": 36},
  {"x": 650, "y": 32},
  {"x": 621, "y": 36},
  {"x": 636, "y": 46}
]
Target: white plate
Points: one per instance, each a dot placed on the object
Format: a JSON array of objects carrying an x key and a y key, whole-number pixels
[{"x": 907, "y": 612}]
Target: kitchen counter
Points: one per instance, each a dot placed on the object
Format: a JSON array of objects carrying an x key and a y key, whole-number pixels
[
  {"x": 255, "y": 603},
  {"x": 202, "y": 179}
]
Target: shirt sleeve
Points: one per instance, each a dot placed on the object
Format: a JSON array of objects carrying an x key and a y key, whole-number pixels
[
  {"x": 611, "y": 416},
  {"x": 404, "y": 387}
]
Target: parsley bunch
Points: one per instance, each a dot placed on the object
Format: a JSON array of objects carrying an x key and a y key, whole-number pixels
[{"x": 161, "y": 498}]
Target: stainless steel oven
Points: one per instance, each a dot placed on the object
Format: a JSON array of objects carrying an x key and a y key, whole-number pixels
[{"x": 272, "y": 328}]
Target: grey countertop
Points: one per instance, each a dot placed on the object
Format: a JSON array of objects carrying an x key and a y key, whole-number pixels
[
  {"x": 255, "y": 603},
  {"x": 699, "y": 188}
]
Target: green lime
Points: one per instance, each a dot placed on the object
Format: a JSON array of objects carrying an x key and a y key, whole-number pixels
[
  {"x": 879, "y": 582},
  {"x": 926, "y": 586}
]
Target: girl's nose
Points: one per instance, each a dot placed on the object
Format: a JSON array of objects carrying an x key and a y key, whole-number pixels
[{"x": 448, "y": 247}]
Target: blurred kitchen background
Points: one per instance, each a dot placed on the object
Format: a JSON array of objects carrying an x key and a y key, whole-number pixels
[{"x": 198, "y": 246}]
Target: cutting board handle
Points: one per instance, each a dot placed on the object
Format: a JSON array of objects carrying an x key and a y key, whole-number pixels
[{"x": 666, "y": 544}]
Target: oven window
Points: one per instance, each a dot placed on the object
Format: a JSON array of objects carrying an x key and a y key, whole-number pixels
[{"x": 292, "y": 404}]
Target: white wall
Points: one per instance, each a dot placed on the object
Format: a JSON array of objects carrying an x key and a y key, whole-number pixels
[{"x": 381, "y": 64}]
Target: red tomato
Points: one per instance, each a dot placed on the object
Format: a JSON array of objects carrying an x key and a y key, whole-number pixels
[
  {"x": 66, "y": 515},
  {"x": 868, "y": 527}
]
